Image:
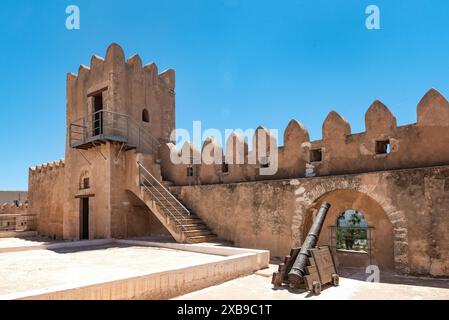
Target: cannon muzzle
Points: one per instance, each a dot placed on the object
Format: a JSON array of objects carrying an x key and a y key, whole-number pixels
[{"x": 298, "y": 270}]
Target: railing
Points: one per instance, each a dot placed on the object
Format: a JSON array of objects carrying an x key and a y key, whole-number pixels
[
  {"x": 113, "y": 126},
  {"x": 156, "y": 189}
]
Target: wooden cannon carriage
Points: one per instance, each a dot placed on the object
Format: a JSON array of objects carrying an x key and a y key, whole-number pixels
[
  {"x": 320, "y": 271},
  {"x": 309, "y": 266}
]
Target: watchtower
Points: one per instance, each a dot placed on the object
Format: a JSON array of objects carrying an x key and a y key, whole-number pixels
[
  {"x": 117, "y": 111},
  {"x": 121, "y": 101}
]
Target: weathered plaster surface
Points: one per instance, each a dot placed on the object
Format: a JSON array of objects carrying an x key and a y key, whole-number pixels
[{"x": 410, "y": 230}]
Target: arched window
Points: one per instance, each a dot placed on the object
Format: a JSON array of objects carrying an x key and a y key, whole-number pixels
[
  {"x": 145, "y": 116},
  {"x": 352, "y": 231}
]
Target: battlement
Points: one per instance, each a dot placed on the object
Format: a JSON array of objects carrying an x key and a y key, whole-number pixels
[
  {"x": 10, "y": 208},
  {"x": 382, "y": 146},
  {"x": 46, "y": 167},
  {"x": 115, "y": 60},
  {"x": 116, "y": 85}
]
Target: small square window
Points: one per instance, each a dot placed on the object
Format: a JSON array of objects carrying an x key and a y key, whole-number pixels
[
  {"x": 86, "y": 183},
  {"x": 264, "y": 162},
  {"x": 316, "y": 155},
  {"x": 190, "y": 171},
  {"x": 383, "y": 147},
  {"x": 225, "y": 167}
]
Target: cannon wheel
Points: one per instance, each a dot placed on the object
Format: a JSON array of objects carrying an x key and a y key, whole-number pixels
[
  {"x": 335, "y": 280},
  {"x": 316, "y": 287}
]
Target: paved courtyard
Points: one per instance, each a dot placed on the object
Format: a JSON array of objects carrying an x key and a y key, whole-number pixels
[
  {"x": 352, "y": 287},
  {"x": 38, "y": 269},
  {"x": 80, "y": 266},
  {"x": 23, "y": 242}
]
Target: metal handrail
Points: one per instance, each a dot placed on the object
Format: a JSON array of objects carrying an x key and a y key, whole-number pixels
[
  {"x": 165, "y": 189},
  {"x": 102, "y": 110},
  {"x": 178, "y": 222},
  {"x": 164, "y": 198},
  {"x": 154, "y": 140},
  {"x": 102, "y": 121}
]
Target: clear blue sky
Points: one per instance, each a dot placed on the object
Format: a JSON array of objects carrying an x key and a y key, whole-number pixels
[{"x": 238, "y": 63}]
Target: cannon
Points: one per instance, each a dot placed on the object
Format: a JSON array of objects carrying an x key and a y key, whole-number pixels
[
  {"x": 298, "y": 270},
  {"x": 309, "y": 266}
]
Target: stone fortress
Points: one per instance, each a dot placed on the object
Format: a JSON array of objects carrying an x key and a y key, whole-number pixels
[{"x": 118, "y": 181}]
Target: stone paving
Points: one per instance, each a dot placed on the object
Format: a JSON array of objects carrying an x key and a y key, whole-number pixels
[
  {"x": 38, "y": 269},
  {"x": 352, "y": 287},
  {"x": 24, "y": 242}
]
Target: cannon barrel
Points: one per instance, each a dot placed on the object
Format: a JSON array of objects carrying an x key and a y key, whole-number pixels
[{"x": 298, "y": 270}]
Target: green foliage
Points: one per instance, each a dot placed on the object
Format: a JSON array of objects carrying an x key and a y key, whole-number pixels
[
  {"x": 352, "y": 239},
  {"x": 355, "y": 219},
  {"x": 350, "y": 233}
]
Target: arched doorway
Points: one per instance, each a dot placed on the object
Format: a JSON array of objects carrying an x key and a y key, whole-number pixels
[
  {"x": 356, "y": 227},
  {"x": 84, "y": 185}
]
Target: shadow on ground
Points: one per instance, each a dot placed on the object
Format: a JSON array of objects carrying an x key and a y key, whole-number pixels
[{"x": 391, "y": 277}]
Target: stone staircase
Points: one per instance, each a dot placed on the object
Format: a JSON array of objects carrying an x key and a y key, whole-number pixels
[{"x": 184, "y": 225}]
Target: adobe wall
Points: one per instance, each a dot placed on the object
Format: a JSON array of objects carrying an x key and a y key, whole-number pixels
[
  {"x": 114, "y": 211},
  {"x": 130, "y": 217},
  {"x": 422, "y": 144},
  {"x": 407, "y": 208},
  {"x": 96, "y": 166},
  {"x": 46, "y": 197}
]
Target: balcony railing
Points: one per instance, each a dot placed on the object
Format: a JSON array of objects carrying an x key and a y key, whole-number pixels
[{"x": 105, "y": 125}]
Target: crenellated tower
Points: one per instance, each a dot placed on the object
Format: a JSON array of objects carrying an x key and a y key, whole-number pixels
[
  {"x": 120, "y": 100},
  {"x": 118, "y": 112}
]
